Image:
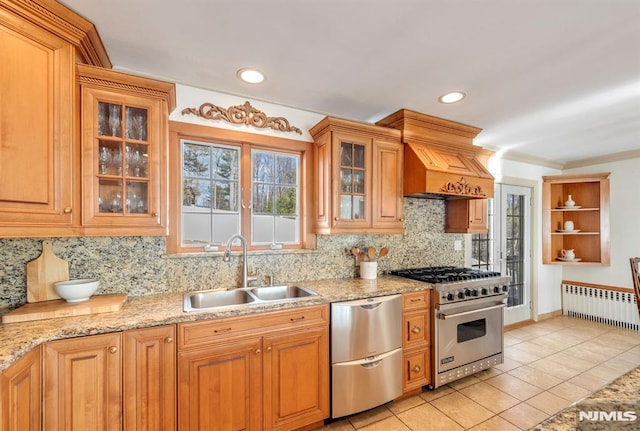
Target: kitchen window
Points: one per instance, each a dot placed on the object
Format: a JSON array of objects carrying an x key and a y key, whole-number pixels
[{"x": 221, "y": 187}]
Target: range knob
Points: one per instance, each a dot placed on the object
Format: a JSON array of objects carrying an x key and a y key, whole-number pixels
[
  {"x": 449, "y": 296},
  {"x": 484, "y": 291},
  {"x": 474, "y": 292},
  {"x": 461, "y": 294},
  {"x": 505, "y": 288},
  {"x": 467, "y": 292},
  {"x": 496, "y": 289}
]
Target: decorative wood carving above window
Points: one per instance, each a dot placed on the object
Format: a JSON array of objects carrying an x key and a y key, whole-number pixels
[{"x": 242, "y": 114}]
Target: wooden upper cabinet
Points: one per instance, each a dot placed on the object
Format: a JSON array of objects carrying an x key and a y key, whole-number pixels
[
  {"x": 20, "y": 394},
  {"x": 124, "y": 145},
  {"x": 39, "y": 46},
  {"x": 466, "y": 216},
  {"x": 589, "y": 214},
  {"x": 358, "y": 180}
]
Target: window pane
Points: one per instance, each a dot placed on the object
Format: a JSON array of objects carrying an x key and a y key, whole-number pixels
[
  {"x": 225, "y": 225},
  {"x": 196, "y": 160},
  {"x": 225, "y": 196},
  {"x": 263, "y": 196},
  {"x": 358, "y": 156},
  {"x": 287, "y": 170},
  {"x": 263, "y": 166},
  {"x": 286, "y": 201},
  {"x": 263, "y": 229},
  {"x": 225, "y": 163},
  {"x": 196, "y": 193},
  {"x": 196, "y": 228},
  {"x": 345, "y": 154},
  {"x": 287, "y": 229}
]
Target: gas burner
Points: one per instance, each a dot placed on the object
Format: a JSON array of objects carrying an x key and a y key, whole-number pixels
[{"x": 444, "y": 274}]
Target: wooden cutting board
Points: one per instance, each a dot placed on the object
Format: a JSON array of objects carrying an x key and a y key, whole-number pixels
[
  {"x": 61, "y": 308},
  {"x": 43, "y": 272}
]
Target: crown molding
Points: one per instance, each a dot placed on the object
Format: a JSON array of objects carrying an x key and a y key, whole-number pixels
[
  {"x": 609, "y": 158},
  {"x": 528, "y": 158}
]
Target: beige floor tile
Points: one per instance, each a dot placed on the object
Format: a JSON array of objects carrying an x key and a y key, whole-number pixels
[
  {"x": 535, "y": 377},
  {"x": 339, "y": 425},
  {"x": 524, "y": 416},
  {"x": 537, "y": 330},
  {"x": 490, "y": 397},
  {"x": 510, "y": 340},
  {"x": 631, "y": 356},
  {"x": 488, "y": 373},
  {"x": 496, "y": 423},
  {"x": 521, "y": 334},
  {"x": 427, "y": 417},
  {"x": 435, "y": 394},
  {"x": 572, "y": 361},
  {"x": 405, "y": 404},
  {"x": 621, "y": 364},
  {"x": 550, "y": 344},
  {"x": 556, "y": 369},
  {"x": 463, "y": 383},
  {"x": 463, "y": 410},
  {"x": 588, "y": 381},
  {"x": 570, "y": 391},
  {"x": 388, "y": 424},
  {"x": 604, "y": 372},
  {"x": 548, "y": 402},
  {"x": 508, "y": 364},
  {"x": 595, "y": 356},
  {"x": 563, "y": 338},
  {"x": 514, "y": 353},
  {"x": 514, "y": 386},
  {"x": 617, "y": 340},
  {"x": 370, "y": 416}
]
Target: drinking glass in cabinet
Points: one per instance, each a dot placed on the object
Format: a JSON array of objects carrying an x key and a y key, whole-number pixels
[
  {"x": 114, "y": 120},
  {"x": 345, "y": 181},
  {"x": 135, "y": 160},
  {"x": 358, "y": 156},
  {"x": 116, "y": 160},
  {"x": 104, "y": 158},
  {"x": 136, "y": 201},
  {"x": 358, "y": 207},
  {"x": 136, "y": 123},
  {"x": 358, "y": 181}
]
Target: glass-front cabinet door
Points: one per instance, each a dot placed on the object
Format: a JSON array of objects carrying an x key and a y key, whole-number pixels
[
  {"x": 353, "y": 194},
  {"x": 124, "y": 122}
]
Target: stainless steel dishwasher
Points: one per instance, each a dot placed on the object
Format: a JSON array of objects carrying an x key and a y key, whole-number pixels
[{"x": 366, "y": 353}]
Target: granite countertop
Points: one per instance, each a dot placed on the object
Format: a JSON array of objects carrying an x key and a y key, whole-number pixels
[
  {"x": 17, "y": 339},
  {"x": 620, "y": 396}
]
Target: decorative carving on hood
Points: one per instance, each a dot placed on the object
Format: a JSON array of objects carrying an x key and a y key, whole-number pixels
[{"x": 461, "y": 187}]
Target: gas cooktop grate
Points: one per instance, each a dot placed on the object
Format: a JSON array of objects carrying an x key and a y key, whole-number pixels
[{"x": 444, "y": 274}]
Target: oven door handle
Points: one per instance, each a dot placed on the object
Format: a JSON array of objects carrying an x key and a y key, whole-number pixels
[{"x": 443, "y": 316}]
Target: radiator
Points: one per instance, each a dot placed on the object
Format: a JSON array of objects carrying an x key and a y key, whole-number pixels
[{"x": 611, "y": 307}]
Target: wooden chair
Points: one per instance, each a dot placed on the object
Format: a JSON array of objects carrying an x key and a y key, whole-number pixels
[{"x": 635, "y": 273}]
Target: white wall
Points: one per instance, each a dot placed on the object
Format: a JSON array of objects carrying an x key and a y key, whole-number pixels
[{"x": 624, "y": 225}]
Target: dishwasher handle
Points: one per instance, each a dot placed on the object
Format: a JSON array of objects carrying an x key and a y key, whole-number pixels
[{"x": 443, "y": 316}]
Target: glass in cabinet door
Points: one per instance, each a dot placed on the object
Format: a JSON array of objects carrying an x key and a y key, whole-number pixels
[
  {"x": 136, "y": 123},
  {"x": 109, "y": 119},
  {"x": 352, "y": 181}
]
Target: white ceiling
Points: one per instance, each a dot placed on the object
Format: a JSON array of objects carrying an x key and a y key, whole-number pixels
[{"x": 552, "y": 79}]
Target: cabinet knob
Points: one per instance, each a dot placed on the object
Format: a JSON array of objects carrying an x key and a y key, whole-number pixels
[
  {"x": 258, "y": 351},
  {"x": 155, "y": 214},
  {"x": 417, "y": 369},
  {"x": 337, "y": 218},
  {"x": 68, "y": 210},
  {"x": 168, "y": 340},
  {"x": 416, "y": 330},
  {"x": 401, "y": 219},
  {"x": 268, "y": 349},
  {"x": 113, "y": 349}
]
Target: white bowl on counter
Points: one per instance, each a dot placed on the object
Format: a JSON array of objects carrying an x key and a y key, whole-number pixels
[{"x": 78, "y": 290}]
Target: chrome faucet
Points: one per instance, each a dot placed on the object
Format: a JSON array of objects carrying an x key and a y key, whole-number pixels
[{"x": 227, "y": 255}]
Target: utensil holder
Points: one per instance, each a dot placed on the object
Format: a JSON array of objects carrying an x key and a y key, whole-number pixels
[{"x": 368, "y": 270}]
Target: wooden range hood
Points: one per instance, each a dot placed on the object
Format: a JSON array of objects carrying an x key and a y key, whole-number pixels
[{"x": 440, "y": 160}]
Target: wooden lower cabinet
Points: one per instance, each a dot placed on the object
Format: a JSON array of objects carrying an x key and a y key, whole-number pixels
[
  {"x": 83, "y": 382},
  {"x": 149, "y": 379},
  {"x": 296, "y": 376},
  {"x": 20, "y": 394},
  {"x": 416, "y": 340},
  {"x": 259, "y": 372},
  {"x": 221, "y": 386}
]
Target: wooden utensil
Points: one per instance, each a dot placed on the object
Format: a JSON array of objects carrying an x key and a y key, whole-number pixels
[
  {"x": 371, "y": 253},
  {"x": 42, "y": 272},
  {"x": 383, "y": 252},
  {"x": 355, "y": 251}
]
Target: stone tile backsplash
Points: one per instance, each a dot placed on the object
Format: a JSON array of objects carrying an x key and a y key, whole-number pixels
[{"x": 138, "y": 265}]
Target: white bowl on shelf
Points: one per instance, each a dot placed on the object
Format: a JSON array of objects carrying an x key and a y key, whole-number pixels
[{"x": 78, "y": 290}]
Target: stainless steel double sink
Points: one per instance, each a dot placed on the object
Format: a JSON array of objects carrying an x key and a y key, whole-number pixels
[{"x": 213, "y": 299}]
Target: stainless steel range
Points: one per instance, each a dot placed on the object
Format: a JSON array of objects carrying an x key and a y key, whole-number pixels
[{"x": 468, "y": 319}]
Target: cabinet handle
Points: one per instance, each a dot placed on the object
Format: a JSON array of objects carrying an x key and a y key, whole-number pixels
[
  {"x": 416, "y": 369},
  {"x": 258, "y": 351},
  {"x": 297, "y": 319},
  {"x": 68, "y": 210},
  {"x": 113, "y": 349},
  {"x": 416, "y": 330},
  {"x": 245, "y": 206},
  {"x": 415, "y": 300},
  {"x": 222, "y": 330},
  {"x": 168, "y": 340},
  {"x": 268, "y": 349},
  {"x": 154, "y": 214}
]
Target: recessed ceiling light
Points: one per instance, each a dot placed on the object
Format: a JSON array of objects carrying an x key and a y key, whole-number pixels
[
  {"x": 251, "y": 76},
  {"x": 452, "y": 97}
]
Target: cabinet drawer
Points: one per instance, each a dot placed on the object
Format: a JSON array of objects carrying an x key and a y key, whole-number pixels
[
  {"x": 415, "y": 330},
  {"x": 194, "y": 334},
  {"x": 416, "y": 372},
  {"x": 415, "y": 300}
]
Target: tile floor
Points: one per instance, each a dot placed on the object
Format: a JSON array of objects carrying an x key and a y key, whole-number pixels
[{"x": 548, "y": 366}]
